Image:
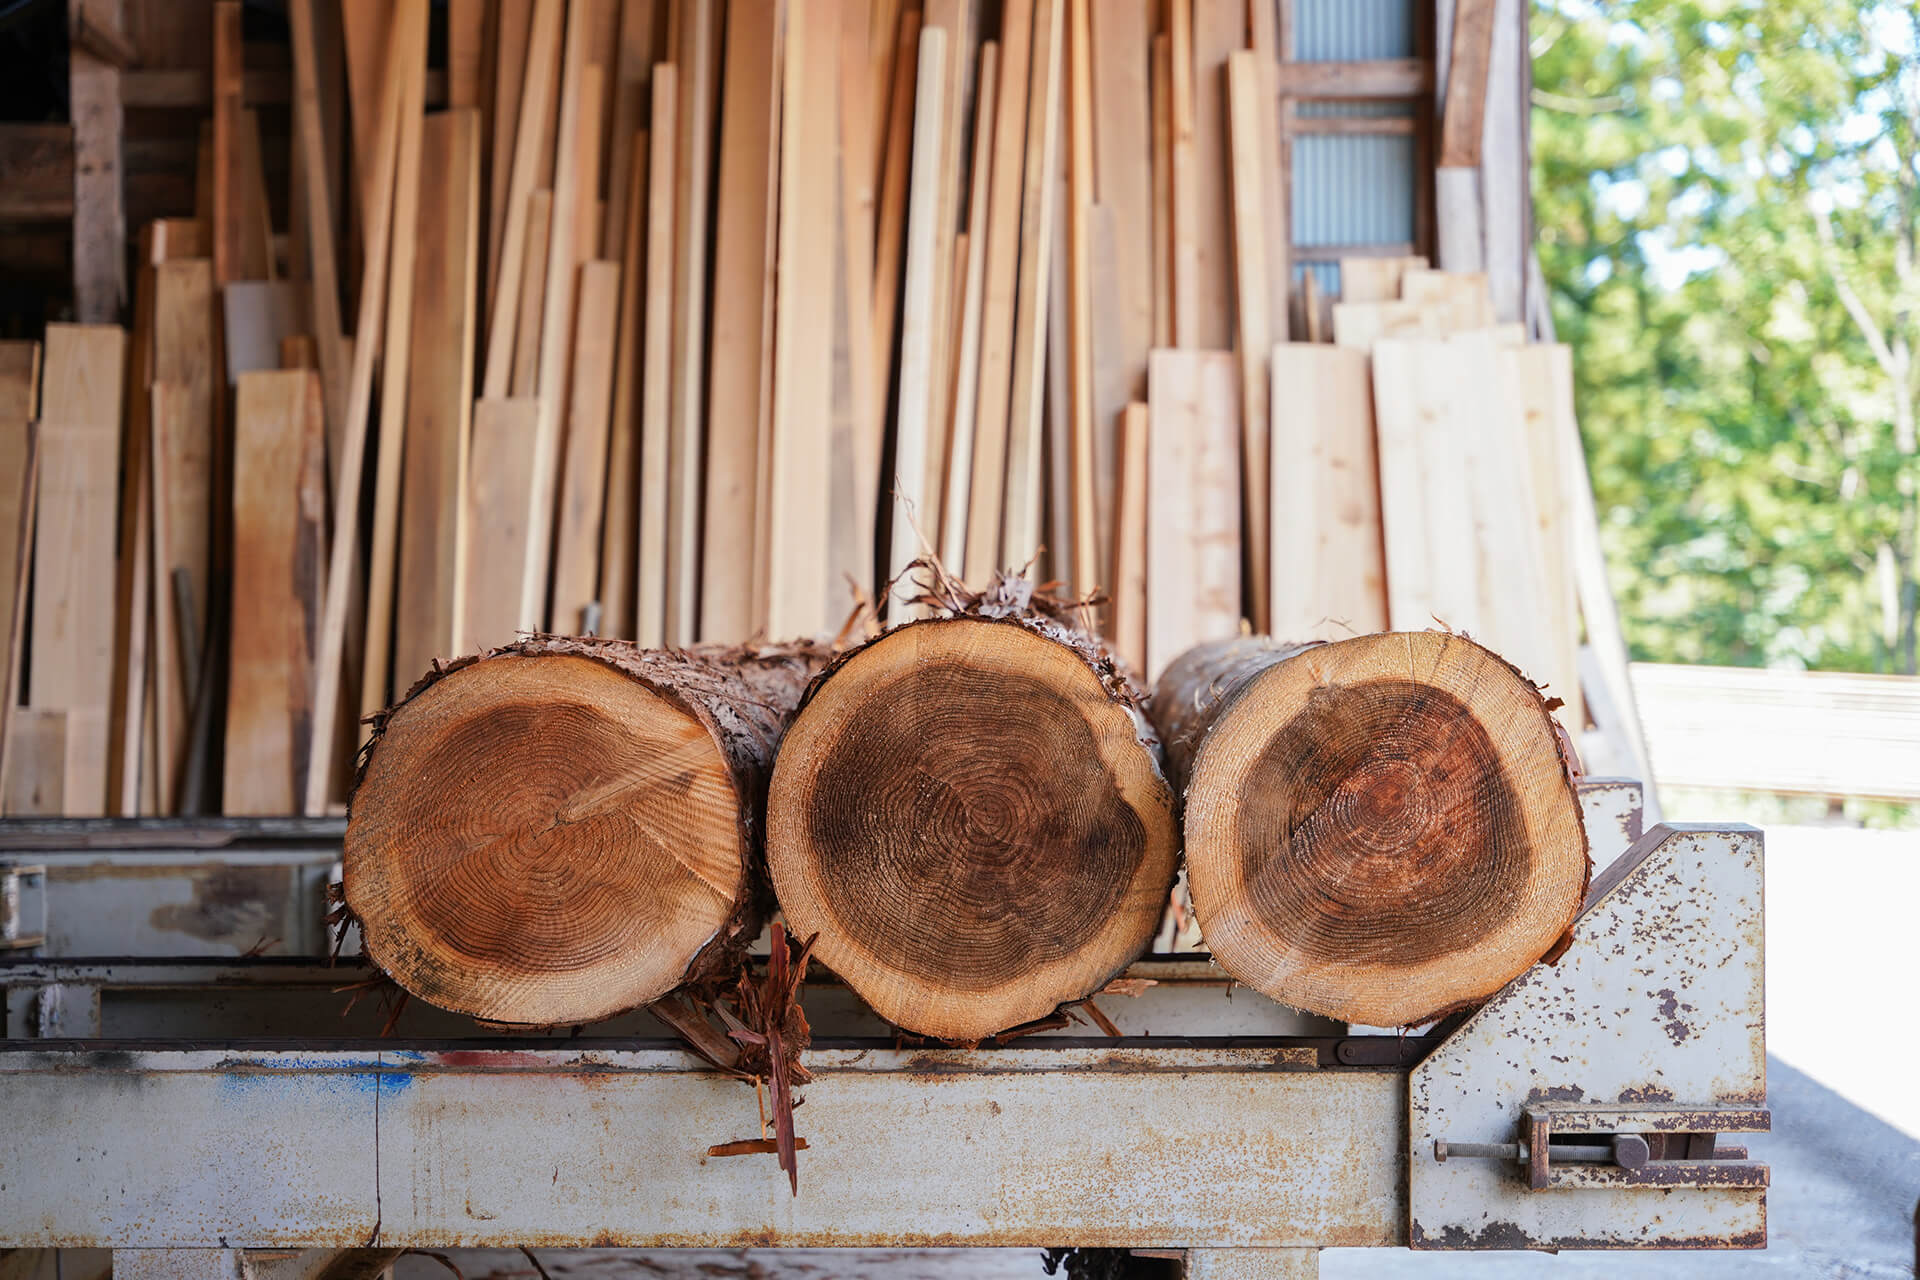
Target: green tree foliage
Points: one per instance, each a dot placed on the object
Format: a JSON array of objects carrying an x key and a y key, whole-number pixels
[{"x": 1727, "y": 194}]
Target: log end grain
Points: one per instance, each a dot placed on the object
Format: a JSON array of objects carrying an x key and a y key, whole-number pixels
[
  {"x": 1382, "y": 829},
  {"x": 974, "y": 821},
  {"x": 547, "y": 838}
]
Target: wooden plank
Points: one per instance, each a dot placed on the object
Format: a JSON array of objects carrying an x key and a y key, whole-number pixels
[
  {"x": 465, "y": 21},
  {"x": 743, "y": 293},
  {"x": 650, "y": 557},
  {"x": 405, "y": 66},
  {"x": 73, "y": 589},
  {"x": 19, "y": 474},
  {"x": 556, "y": 321},
  {"x": 1378, "y": 78},
  {"x": 99, "y": 210},
  {"x": 1193, "y": 502},
  {"x": 590, "y": 212},
  {"x": 174, "y": 661},
  {"x": 229, "y": 172},
  {"x": 1248, "y": 108},
  {"x": 439, "y": 404},
  {"x": 698, "y": 59},
  {"x": 1162, "y": 191},
  {"x": 576, "y": 568},
  {"x": 1276, "y": 118},
  {"x": 82, "y": 381},
  {"x": 1464, "y": 110},
  {"x": 891, "y": 223},
  {"x": 955, "y": 509},
  {"x": 279, "y": 520},
  {"x": 19, "y": 381},
  {"x": 1129, "y": 629},
  {"x": 1329, "y": 568},
  {"x": 325, "y": 290},
  {"x": 987, "y": 492},
  {"x": 1540, "y": 382},
  {"x": 1219, "y": 29},
  {"x": 133, "y": 614},
  {"x": 1375, "y": 279},
  {"x": 1123, "y": 153},
  {"x": 1184, "y": 189},
  {"x": 514, "y": 21},
  {"x": 1020, "y": 521},
  {"x": 1360, "y": 325},
  {"x": 631, "y": 69},
  {"x": 1459, "y": 299},
  {"x": 620, "y": 527},
  {"x": 1421, "y": 403},
  {"x": 1087, "y": 483},
  {"x": 1506, "y": 188},
  {"x": 914, "y": 407},
  {"x": 859, "y": 416},
  {"x": 499, "y": 468},
  {"x": 36, "y": 760},
  {"x": 518, "y": 244},
  {"x": 366, "y": 27},
  {"x": 800, "y": 592},
  {"x": 533, "y": 297},
  {"x": 38, "y": 159},
  {"x": 389, "y": 469}
]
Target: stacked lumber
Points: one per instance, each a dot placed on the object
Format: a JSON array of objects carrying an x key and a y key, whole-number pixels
[{"x": 681, "y": 322}]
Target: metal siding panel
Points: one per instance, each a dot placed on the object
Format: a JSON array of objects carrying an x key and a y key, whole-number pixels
[
  {"x": 1352, "y": 30},
  {"x": 1353, "y": 189}
]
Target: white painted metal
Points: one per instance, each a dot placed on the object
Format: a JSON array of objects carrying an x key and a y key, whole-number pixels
[
  {"x": 1659, "y": 1000},
  {"x": 1113, "y": 1147}
]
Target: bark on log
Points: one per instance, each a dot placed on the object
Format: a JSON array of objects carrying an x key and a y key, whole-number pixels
[
  {"x": 561, "y": 830},
  {"x": 970, "y": 812},
  {"x": 1379, "y": 830}
]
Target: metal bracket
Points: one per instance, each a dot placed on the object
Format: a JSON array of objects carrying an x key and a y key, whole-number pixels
[
  {"x": 1608, "y": 1147},
  {"x": 23, "y": 906}
]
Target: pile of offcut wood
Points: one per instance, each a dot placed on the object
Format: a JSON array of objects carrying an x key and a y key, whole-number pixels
[{"x": 682, "y": 321}]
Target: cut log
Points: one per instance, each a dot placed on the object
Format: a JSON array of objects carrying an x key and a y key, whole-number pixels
[
  {"x": 1379, "y": 830},
  {"x": 620, "y": 859},
  {"x": 970, "y": 814}
]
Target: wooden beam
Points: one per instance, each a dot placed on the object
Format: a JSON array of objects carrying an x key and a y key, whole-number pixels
[
  {"x": 1130, "y": 541},
  {"x": 1193, "y": 503},
  {"x": 987, "y": 492},
  {"x": 576, "y": 568},
  {"x": 859, "y": 415},
  {"x": 1219, "y": 29},
  {"x": 439, "y": 404},
  {"x": 99, "y": 210},
  {"x": 1162, "y": 255},
  {"x": 913, "y": 410},
  {"x": 620, "y": 524},
  {"x": 1086, "y": 480},
  {"x": 526, "y": 179},
  {"x": 743, "y": 296},
  {"x": 499, "y": 468},
  {"x": 229, "y": 165},
  {"x": 650, "y": 557},
  {"x": 533, "y": 297},
  {"x": 279, "y": 521},
  {"x": 892, "y": 217},
  {"x": 958, "y": 504},
  {"x": 406, "y": 52},
  {"x": 1348, "y": 81},
  {"x": 38, "y": 162},
  {"x": 1464, "y": 112},
  {"x": 1184, "y": 191},
  {"x": 330, "y": 345},
  {"x": 631, "y": 70},
  {"x": 19, "y": 466},
  {"x": 1247, "y": 137},
  {"x": 384, "y": 551},
  {"x": 515, "y": 33},
  {"x": 1020, "y": 520}
]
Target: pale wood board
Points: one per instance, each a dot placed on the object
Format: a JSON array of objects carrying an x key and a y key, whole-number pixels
[
  {"x": 439, "y": 404},
  {"x": 1459, "y": 298},
  {"x": 367, "y": 30},
  {"x": 986, "y": 493},
  {"x": 1329, "y": 568},
  {"x": 891, "y": 219},
  {"x": 519, "y": 249},
  {"x": 83, "y": 372},
  {"x": 914, "y": 406},
  {"x": 514, "y": 25},
  {"x": 859, "y": 415},
  {"x": 578, "y": 101},
  {"x": 1162, "y": 255},
  {"x": 133, "y": 613},
  {"x": 1088, "y": 484},
  {"x": 498, "y": 471},
  {"x": 656, "y": 396},
  {"x": 966, "y": 391},
  {"x": 279, "y": 510},
  {"x": 1247, "y": 136},
  {"x": 35, "y": 783},
  {"x": 743, "y": 291},
  {"x": 1123, "y": 151},
  {"x": 1540, "y": 380},
  {"x": 525, "y": 380},
  {"x": 405, "y": 63},
  {"x": 620, "y": 527},
  {"x": 631, "y": 69},
  {"x": 1360, "y": 325},
  {"x": 1375, "y": 279},
  {"x": 800, "y": 593},
  {"x": 1193, "y": 502},
  {"x": 465, "y": 20},
  {"x": 376, "y": 670},
  {"x": 1129, "y": 629},
  {"x": 1219, "y": 28},
  {"x": 1185, "y": 212},
  {"x": 174, "y": 445},
  {"x": 19, "y": 471},
  {"x": 73, "y": 589},
  {"x": 698, "y": 60},
  {"x": 309, "y": 121},
  {"x": 1020, "y": 534},
  {"x": 576, "y": 568}
]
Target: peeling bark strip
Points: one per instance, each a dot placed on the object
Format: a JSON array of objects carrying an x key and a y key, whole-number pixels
[
  {"x": 560, "y": 830},
  {"x": 970, "y": 813},
  {"x": 1378, "y": 830}
]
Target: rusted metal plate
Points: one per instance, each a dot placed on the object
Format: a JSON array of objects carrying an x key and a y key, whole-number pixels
[
  {"x": 1658, "y": 1002},
  {"x": 589, "y": 1148}
]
